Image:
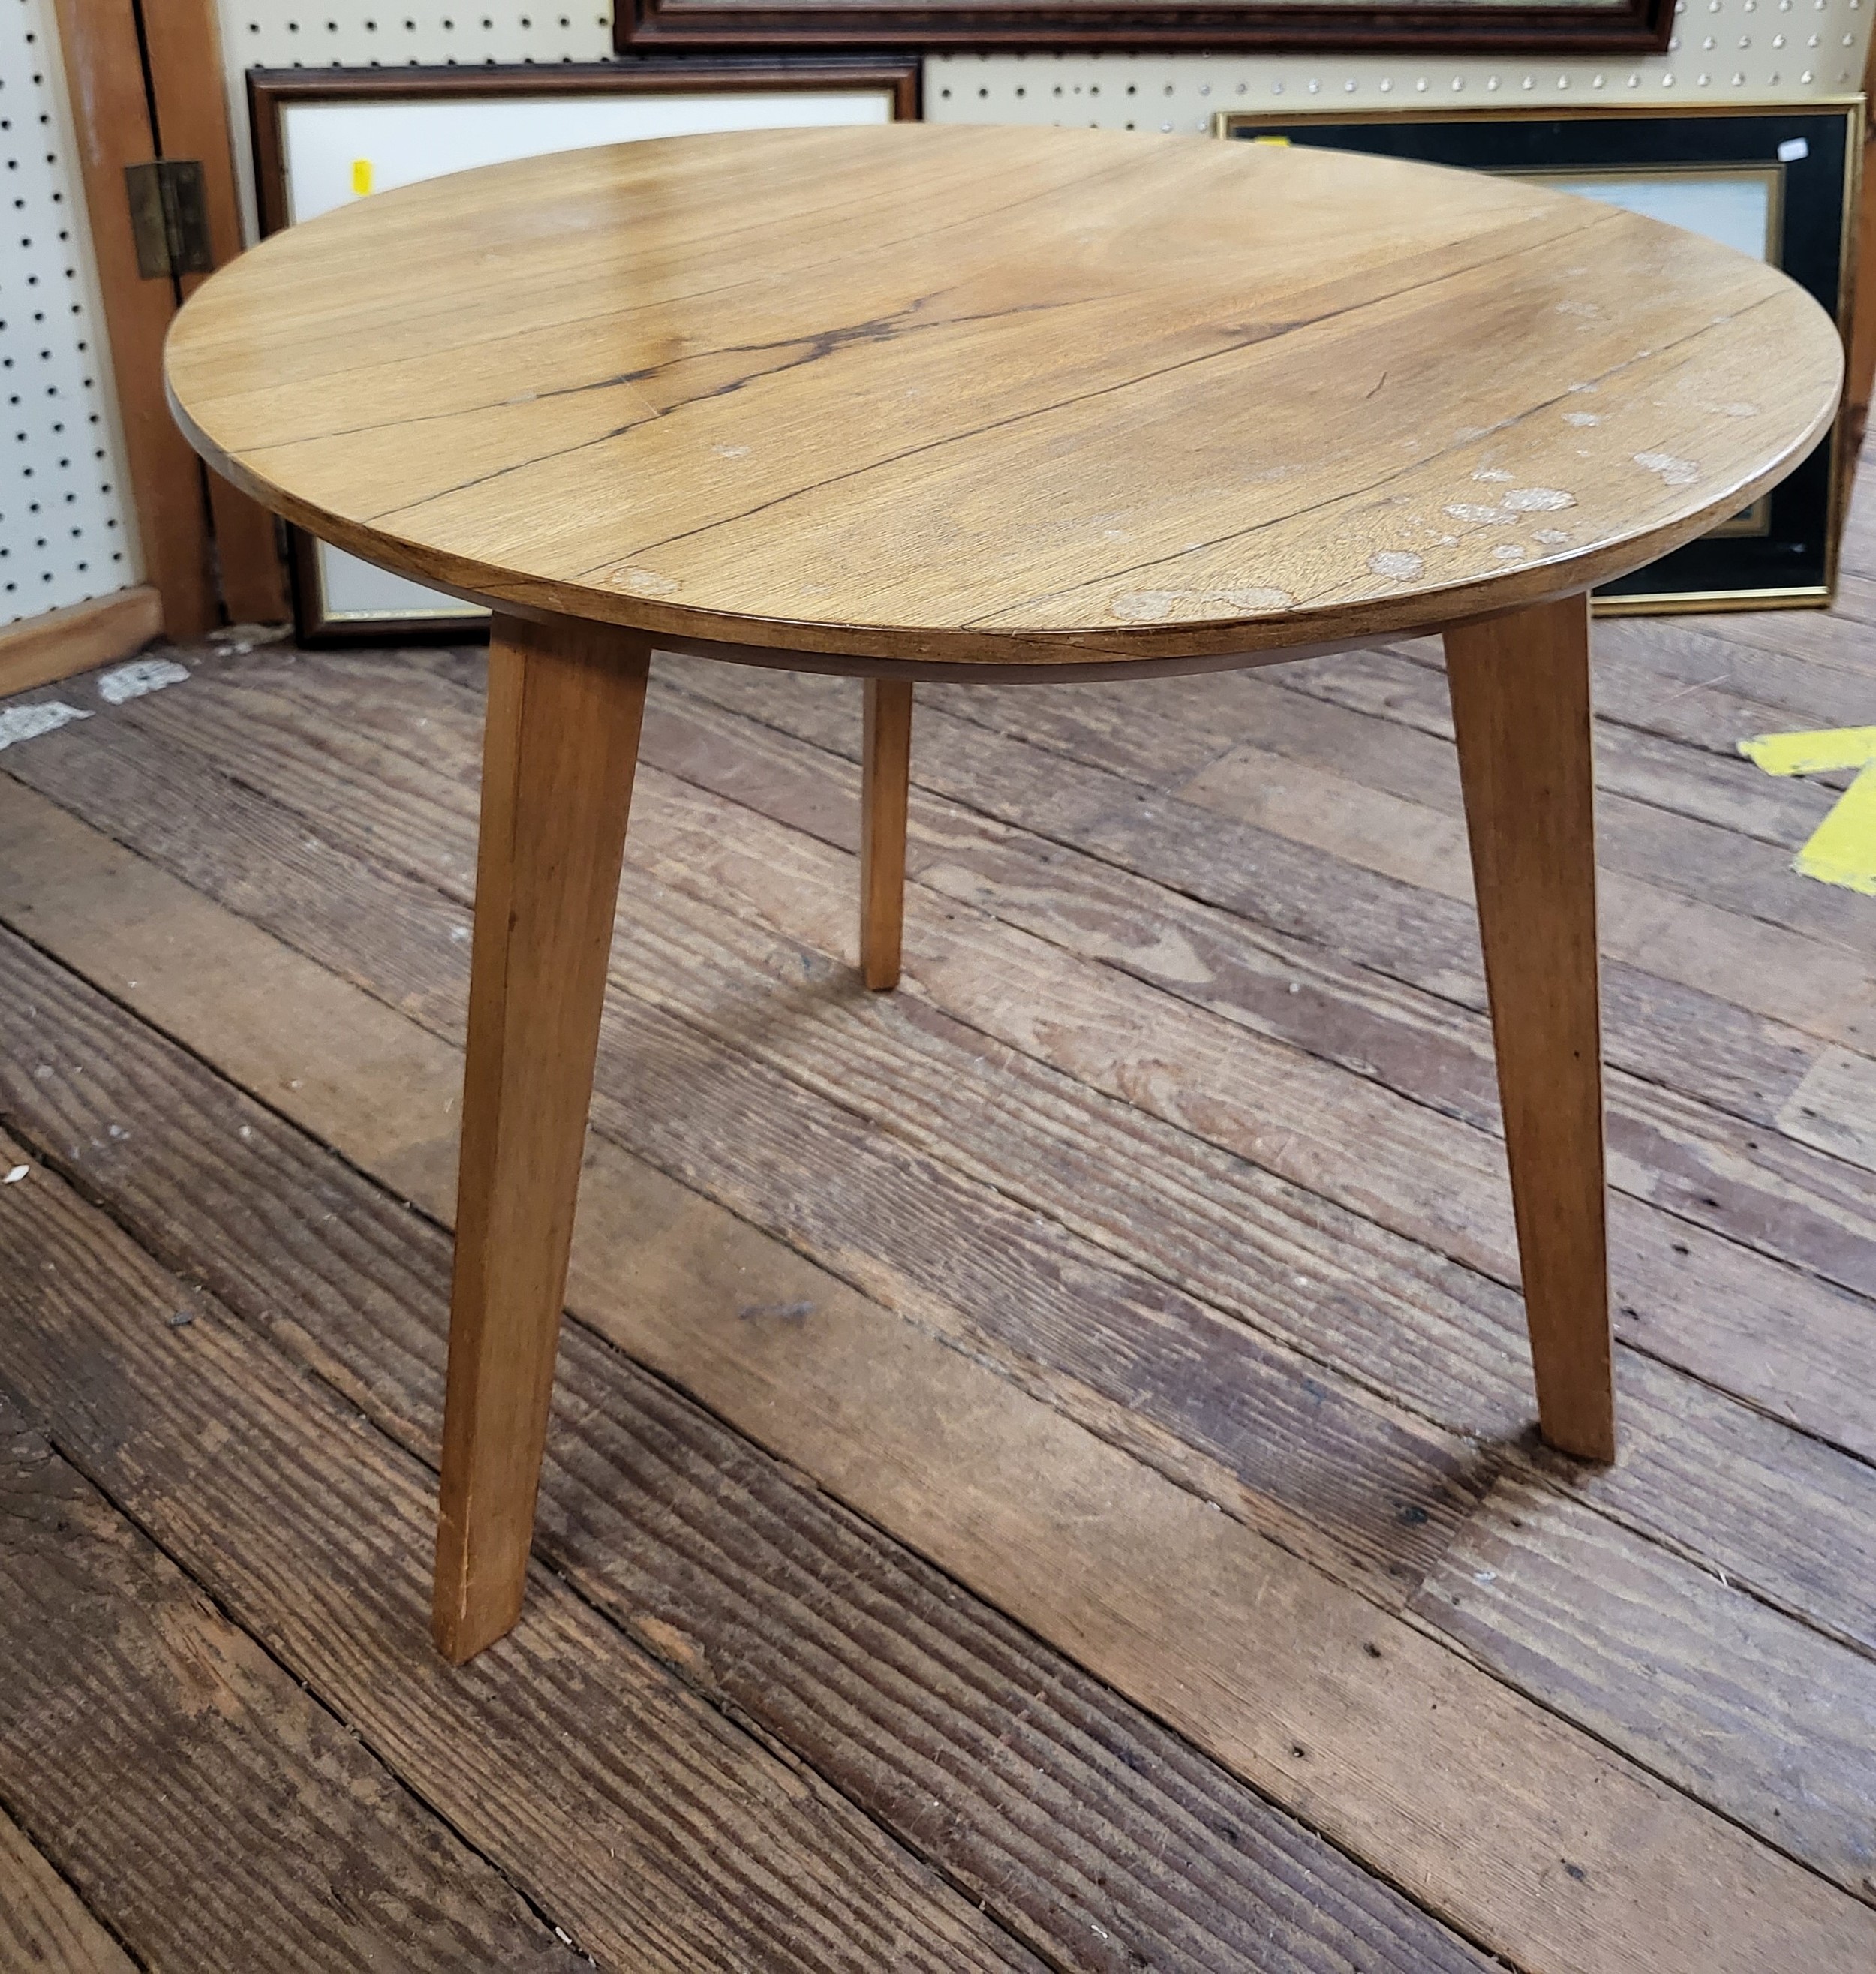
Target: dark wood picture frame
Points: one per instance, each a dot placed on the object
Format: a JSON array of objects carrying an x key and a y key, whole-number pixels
[
  {"x": 1290, "y": 27},
  {"x": 271, "y": 92},
  {"x": 1785, "y": 555}
]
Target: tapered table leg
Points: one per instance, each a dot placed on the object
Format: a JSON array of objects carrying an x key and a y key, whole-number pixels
[
  {"x": 1521, "y": 707},
  {"x": 885, "y": 774},
  {"x": 564, "y": 704}
]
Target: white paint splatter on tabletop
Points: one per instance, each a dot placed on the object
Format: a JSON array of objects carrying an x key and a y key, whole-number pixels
[
  {"x": 1673, "y": 472},
  {"x": 1537, "y": 500},
  {"x": 1397, "y": 565},
  {"x": 1155, "y": 606},
  {"x": 641, "y": 582}
]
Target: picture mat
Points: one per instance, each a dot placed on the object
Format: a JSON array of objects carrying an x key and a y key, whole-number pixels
[
  {"x": 1737, "y": 210},
  {"x": 408, "y": 141}
]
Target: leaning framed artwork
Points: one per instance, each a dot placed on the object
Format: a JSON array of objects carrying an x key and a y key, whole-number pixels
[
  {"x": 324, "y": 137},
  {"x": 1424, "y": 26},
  {"x": 1779, "y": 184}
]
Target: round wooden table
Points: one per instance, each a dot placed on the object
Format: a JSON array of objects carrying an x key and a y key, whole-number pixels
[{"x": 922, "y": 402}]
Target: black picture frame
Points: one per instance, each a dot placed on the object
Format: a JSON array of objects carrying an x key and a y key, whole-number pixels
[
  {"x": 270, "y": 93},
  {"x": 1782, "y": 552}
]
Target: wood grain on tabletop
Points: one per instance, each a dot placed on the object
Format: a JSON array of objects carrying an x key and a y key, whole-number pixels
[{"x": 1101, "y": 397}]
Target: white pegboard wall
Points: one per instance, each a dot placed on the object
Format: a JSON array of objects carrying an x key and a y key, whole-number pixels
[
  {"x": 1745, "y": 50},
  {"x": 65, "y": 533},
  {"x": 1739, "y": 51},
  {"x": 1736, "y": 51},
  {"x": 364, "y": 34}
]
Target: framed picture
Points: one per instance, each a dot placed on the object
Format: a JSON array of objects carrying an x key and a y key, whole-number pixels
[
  {"x": 1778, "y": 184},
  {"x": 323, "y": 137},
  {"x": 1291, "y": 26}
]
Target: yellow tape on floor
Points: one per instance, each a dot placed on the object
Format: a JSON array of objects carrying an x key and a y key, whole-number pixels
[{"x": 1842, "y": 848}]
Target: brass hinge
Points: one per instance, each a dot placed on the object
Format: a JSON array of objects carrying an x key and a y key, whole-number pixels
[{"x": 169, "y": 217}]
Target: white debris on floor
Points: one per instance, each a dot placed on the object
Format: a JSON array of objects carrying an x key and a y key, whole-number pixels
[
  {"x": 28, "y": 723},
  {"x": 141, "y": 675}
]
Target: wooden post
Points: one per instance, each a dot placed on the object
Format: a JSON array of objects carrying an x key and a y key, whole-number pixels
[
  {"x": 565, "y": 701},
  {"x": 111, "y": 116},
  {"x": 1521, "y": 708}
]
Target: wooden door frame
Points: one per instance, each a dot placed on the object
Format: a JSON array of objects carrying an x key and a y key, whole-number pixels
[
  {"x": 204, "y": 545},
  {"x": 182, "y": 46}
]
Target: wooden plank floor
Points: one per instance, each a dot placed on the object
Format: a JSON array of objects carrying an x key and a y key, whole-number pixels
[{"x": 1042, "y": 1473}]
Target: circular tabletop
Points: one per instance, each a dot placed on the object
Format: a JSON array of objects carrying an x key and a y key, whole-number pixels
[{"x": 957, "y": 396}]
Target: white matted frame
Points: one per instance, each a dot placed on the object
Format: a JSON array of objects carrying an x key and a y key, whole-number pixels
[{"x": 324, "y": 137}]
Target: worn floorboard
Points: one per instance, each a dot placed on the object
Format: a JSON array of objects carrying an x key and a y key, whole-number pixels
[
  {"x": 1022, "y": 1777},
  {"x": 652, "y": 1828},
  {"x": 1393, "y": 1163},
  {"x": 1041, "y": 1470},
  {"x": 152, "y": 1737},
  {"x": 43, "y": 1924}
]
